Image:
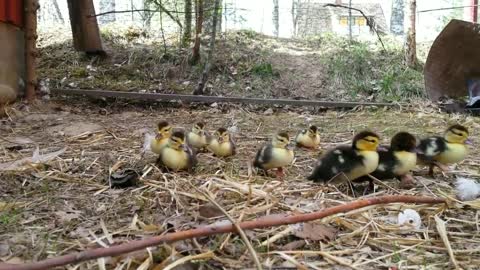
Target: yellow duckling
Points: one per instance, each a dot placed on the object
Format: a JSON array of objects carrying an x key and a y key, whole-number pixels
[
  {"x": 198, "y": 137},
  {"x": 275, "y": 154},
  {"x": 222, "y": 145},
  {"x": 308, "y": 138},
  {"x": 441, "y": 151},
  {"x": 161, "y": 139},
  {"x": 177, "y": 155},
  {"x": 399, "y": 160},
  {"x": 355, "y": 161}
]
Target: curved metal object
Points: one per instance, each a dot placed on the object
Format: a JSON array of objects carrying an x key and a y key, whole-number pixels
[{"x": 453, "y": 59}]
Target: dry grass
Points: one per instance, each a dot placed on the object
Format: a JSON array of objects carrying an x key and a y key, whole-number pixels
[{"x": 66, "y": 205}]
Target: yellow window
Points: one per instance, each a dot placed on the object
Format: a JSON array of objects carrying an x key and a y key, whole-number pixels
[
  {"x": 360, "y": 21},
  {"x": 343, "y": 20}
]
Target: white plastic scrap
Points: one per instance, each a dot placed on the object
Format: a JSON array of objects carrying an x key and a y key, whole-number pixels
[
  {"x": 36, "y": 158},
  {"x": 467, "y": 189},
  {"x": 409, "y": 218},
  {"x": 147, "y": 142}
]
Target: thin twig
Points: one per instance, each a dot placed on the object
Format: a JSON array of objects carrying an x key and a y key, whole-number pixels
[
  {"x": 267, "y": 221},
  {"x": 239, "y": 230}
]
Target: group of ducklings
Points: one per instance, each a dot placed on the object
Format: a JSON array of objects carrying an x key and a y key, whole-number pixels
[
  {"x": 356, "y": 162},
  {"x": 178, "y": 152}
]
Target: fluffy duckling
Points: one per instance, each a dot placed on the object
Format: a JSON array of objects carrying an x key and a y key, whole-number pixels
[
  {"x": 441, "y": 151},
  {"x": 355, "y": 161},
  {"x": 177, "y": 155},
  {"x": 222, "y": 145},
  {"x": 198, "y": 137},
  {"x": 398, "y": 160},
  {"x": 161, "y": 139},
  {"x": 275, "y": 154},
  {"x": 308, "y": 138}
]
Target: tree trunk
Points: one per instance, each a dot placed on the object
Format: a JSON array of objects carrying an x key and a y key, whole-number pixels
[
  {"x": 398, "y": 16},
  {"x": 203, "y": 81},
  {"x": 198, "y": 31},
  {"x": 410, "y": 46},
  {"x": 275, "y": 18},
  {"x": 350, "y": 20},
  {"x": 105, "y": 6},
  {"x": 86, "y": 35},
  {"x": 31, "y": 7},
  {"x": 187, "y": 29},
  {"x": 294, "y": 17}
]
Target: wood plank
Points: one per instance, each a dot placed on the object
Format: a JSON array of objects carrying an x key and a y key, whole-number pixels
[{"x": 212, "y": 99}]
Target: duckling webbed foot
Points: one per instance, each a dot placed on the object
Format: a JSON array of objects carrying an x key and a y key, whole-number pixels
[
  {"x": 407, "y": 181},
  {"x": 279, "y": 173}
]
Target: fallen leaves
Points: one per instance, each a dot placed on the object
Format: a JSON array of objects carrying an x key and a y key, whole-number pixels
[
  {"x": 315, "y": 231},
  {"x": 209, "y": 210}
]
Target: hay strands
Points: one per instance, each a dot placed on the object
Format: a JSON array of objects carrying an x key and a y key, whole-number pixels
[{"x": 267, "y": 221}]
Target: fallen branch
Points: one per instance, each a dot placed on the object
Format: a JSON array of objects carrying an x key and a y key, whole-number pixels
[{"x": 267, "y": 221}]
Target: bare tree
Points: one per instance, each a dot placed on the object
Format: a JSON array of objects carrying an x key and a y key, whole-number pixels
[
  {"x": 275, "y": 18},
  {"x": 58, "y": 12},
  {"x": 198, "y": 31},
  {"x": 410, "y": 45},
  {"x": 203, "y": 81},
  {"x": 187, "y": 24}
]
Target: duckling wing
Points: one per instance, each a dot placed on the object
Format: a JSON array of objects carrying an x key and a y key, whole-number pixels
[
  {"x": 234, "y": 147},
  {"x": 386, "y": 165},
  {"x": 431, "y": 147},
  {"x": 264, "y": 155},
  {"x": 192, "y": 158},
  {"x": 341, "y": 159}
]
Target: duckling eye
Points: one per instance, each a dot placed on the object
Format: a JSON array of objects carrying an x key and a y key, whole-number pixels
[{"x": 370, "y": 140}]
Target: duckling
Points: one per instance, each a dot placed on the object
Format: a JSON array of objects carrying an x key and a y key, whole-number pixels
[
  {"x": 355, "y": 161},
  {"x": 275, "y": 154},
  {"x": 441, "y": 151},
  {"x": 398, "y": 160},
  {"x": 161, "y": 138},
  {"x": 198, "y": 137},
  {"x": 177, "y": 155},
  {"x": 308, "y": 138},
  {"x": 222, "y": 145}
]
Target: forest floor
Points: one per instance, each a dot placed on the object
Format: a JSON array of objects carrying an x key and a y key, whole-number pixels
[
  {"x": 246, "y": 64},
  {"x": 64, "y": 203}
]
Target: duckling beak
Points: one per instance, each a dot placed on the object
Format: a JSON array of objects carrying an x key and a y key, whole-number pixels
[
  {"x": 469, "y": 142},
  {"x": 184, "y": 147},
  {"x": 220, "y": 140},
  {"x": 158, "y": 136}
]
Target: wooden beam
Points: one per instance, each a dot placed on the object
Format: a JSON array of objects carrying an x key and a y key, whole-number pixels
[{"x": 213, "y": 99}]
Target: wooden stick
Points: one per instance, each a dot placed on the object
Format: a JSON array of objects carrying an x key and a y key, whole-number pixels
[
  {"x": 31, "y": 7},
  {"x": 267, "y": 221}
]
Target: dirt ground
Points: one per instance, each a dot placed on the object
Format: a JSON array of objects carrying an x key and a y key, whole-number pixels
[{"x": 65, "y": 204}]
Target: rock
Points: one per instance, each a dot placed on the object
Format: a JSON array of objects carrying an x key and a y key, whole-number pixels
[
  {"x": 75, "y": 129},
  {"x": 269, "y": 111}
]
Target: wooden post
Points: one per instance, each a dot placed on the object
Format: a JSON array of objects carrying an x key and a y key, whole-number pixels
[
  {"x": 475, "y": 11},
  {"x": 85, "y": 32},
  {"x": 31, "y": 7}
]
